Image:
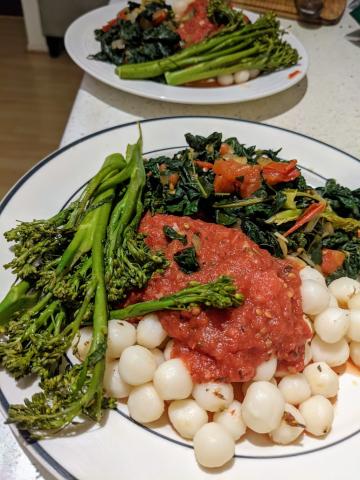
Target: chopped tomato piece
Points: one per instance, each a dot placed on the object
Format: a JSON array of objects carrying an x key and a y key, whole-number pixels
[
  {"x": 173, "y": 179},
  {"x": 159, "y": 16},
  {"x": 244, "y": 178},
  {"x": 331, "y": 260},
  {"x": 202, "y": 164},
  {"x": 223, "y": 185},
  {"x": 278, "y": 172},
  {"x": 123, "y": 14},
  {"x": 225, "y": 149},
  {"x": 110, "y": 24},
  {"x": 308, "y": 214}
]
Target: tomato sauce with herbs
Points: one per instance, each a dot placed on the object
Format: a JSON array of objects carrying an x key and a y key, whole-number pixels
[
  {"x": 195, "y": 25},
  {"x": 229, "y": 344}
]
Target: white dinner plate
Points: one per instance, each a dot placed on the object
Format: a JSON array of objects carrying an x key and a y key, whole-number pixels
[
  {"x": 80, "y": 43},
  {"x": 119, "y": 448}
]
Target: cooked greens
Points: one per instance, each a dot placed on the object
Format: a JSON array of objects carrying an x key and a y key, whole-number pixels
[
  {"x": 139, "y": 33},
  {"x": 171, "y": 234},
  {"x": 186, "y": 260},
  {"x": 283, "y": 214}
]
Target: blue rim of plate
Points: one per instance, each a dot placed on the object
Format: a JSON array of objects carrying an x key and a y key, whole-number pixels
[{"x": 54, "y": 464}]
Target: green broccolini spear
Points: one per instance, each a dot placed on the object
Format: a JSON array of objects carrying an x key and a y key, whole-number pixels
[
  {"x": 220, "y": 293},
  {"x": 266, "y": 56},
  {"x": 266, "y": 25}
]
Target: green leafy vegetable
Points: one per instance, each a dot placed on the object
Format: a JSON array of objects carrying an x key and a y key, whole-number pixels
[
  {"x": 138, "y": 37},
  {"x": 187, "y": 261},
  {"x": 172, "y": 234},
  {"x": 343, "y": 201}
]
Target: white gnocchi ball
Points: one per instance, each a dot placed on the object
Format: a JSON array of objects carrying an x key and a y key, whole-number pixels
[
  {"x": 158, "y": 355},
  {"x": 354, "y": 302},
  {"x": 137, "y": 365},
  {"x": 242, "y": 76},
  {"x": 322, "y": 379},
  {"x": 114, "y": 385},
  {"x": 354, "y": 328},
  {"x": 225, "y": 80},
  {"x": 333, "y": 302},
  {"x": 263, "y": 407},
  {"x": 145, "y": 404},
  {"x": 334, "y": 354},
  {"x": 291, "y": 427},
  {"x": 254, "y": 73},
  {"x": 121, "y": 334},
  {"x": 187, "y": 417},
  {"x": 82, "y": 343},
  {"x": 168, "y": 349},
  {"x": 332, "y": 324},
  {"x": 213, "y": 445},
  {"x": 213, "y": 396},
  {"x": 315, "y": 297},
  {"x": 230, "y": 418},
  {"x": 150, "y": 332},
  {"x": 318, "y": 414},
  {"x": 309, "y": 273},
  {"x": 355, "y": 353},
  {"x": 172, "y": 380},
  {"x": 295, "y": 388},
  {"x": 246, "y": 385},
  {"x": 266, "y": 370},
  {"x": 307, "y": 353},
  {"x": 344, "y": 289}
]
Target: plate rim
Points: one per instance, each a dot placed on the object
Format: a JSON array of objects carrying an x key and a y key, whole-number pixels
[
  {"x": 34, "y": 448},
  {"x": 170, "y": 98}
]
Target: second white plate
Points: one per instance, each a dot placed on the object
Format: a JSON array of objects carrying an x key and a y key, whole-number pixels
[{"x": 80, "y": 43}]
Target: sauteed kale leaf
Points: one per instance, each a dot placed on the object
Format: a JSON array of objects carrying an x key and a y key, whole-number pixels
[
  {"x": 138, "y": 34},
  {"x": 226, "y": 182}
]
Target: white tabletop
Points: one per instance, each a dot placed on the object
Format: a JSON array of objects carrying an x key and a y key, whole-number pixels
[{"x": 325, "y": 105}]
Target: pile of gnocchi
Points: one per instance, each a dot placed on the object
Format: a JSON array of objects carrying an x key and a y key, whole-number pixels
[{"x": 280, "y": 405}]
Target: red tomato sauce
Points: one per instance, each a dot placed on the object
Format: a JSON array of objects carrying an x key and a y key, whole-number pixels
[
  {"x": 195, "y": 25},
  {"x": 228, "y": 344}
]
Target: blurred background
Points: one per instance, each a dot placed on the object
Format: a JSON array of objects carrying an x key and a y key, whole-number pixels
[{"x": 36, "y": 90}]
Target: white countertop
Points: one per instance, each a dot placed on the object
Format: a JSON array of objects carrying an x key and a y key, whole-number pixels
[{"x": 325, "y": 105}]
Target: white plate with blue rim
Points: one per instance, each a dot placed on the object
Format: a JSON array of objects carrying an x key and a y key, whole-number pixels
[
  {"x": 80, "y": 43},
  {"x": 119, "y": 447}
]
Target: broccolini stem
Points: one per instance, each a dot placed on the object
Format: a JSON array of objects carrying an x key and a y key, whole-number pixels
[
  {"x": 218, "y": 294},
  {"x": 19, "y": 298}
]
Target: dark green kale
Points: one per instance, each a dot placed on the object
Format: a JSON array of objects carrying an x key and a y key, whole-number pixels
[
  {"x": 241, "y": 150},
  {"x": 205, "y": 148},
  {"x": 263, "y": 236},
  {"x": 139, "y": 40},
  {"x": 193, "y": 186},
  {"x": 343, "y": 201},
  {"x": 187, "y": 261},
  {"x": 350, "y": 245},
  {"x": 172, "y": 234}
]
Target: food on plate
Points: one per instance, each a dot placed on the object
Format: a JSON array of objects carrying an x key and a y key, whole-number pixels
[
  {"x": 214, "y": 288},
  {"x": 139, "y": 33},
  {"x": 205, "y": 43}
]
